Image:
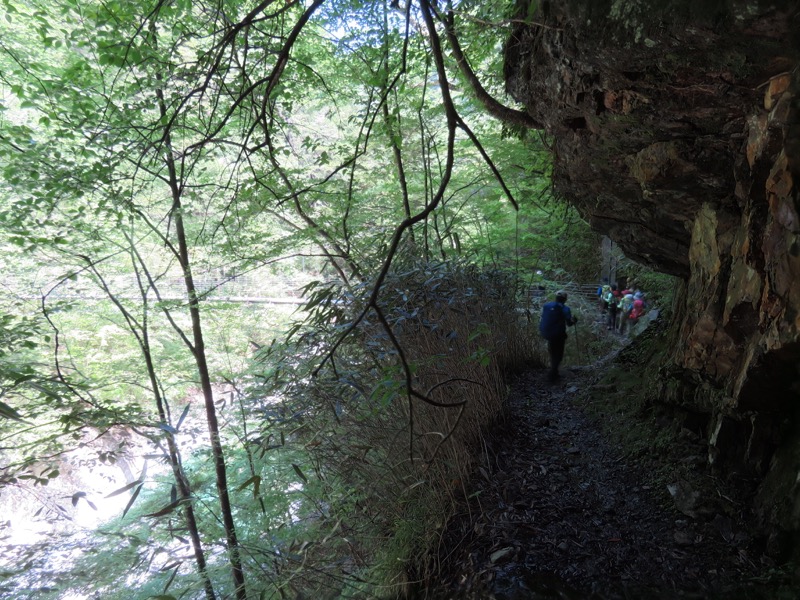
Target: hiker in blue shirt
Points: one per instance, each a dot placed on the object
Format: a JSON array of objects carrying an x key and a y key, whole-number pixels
[{"x": 553, "y": 327}]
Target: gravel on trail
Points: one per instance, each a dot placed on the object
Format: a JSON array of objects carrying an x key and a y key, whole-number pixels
[{"x": 558, "y": 510}]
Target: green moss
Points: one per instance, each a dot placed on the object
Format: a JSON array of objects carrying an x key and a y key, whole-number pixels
[{"x": 626, "y": 405}]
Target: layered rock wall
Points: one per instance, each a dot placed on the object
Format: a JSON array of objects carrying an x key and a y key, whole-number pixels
[{"x": 676, "y": 130}]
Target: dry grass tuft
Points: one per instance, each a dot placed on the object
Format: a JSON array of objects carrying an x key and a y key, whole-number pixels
[{"x": 392, "y": 431}]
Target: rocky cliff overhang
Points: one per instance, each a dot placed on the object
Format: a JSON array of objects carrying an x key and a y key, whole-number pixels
[
  {"x": 676, "y": 131},
  {"x": 648, "y": 104}
]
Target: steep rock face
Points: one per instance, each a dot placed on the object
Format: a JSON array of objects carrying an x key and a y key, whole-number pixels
[{"x": 676, "y": 132}]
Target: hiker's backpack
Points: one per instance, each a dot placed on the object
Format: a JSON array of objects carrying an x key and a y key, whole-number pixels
[
  {"x": 553, "y": 320},
  {"x": 626, "y": 304},
  {"x": 637, "y": 310}
]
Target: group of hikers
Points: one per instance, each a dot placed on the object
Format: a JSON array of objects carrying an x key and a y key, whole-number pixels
[{"x": 622, "y": 309}]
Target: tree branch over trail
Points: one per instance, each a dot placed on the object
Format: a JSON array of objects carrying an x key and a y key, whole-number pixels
[
  {"x": 393, "y": 129},
  {"x": 306, "y": 218},
  {"x": 493, "y": 106},
  {"x": 453, "y": 123}
]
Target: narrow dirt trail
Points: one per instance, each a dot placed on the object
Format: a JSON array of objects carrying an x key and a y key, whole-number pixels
[{"x": 557, "y": 511}]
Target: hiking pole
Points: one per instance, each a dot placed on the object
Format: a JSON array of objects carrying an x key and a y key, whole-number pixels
[{"x": 577, "y": 343}]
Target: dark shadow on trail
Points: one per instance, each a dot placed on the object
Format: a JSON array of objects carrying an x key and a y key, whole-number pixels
[{"x": 556, "y": 511}]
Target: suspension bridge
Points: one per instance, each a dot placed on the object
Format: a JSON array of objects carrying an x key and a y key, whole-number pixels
[{"x": 235, "y": 289}]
